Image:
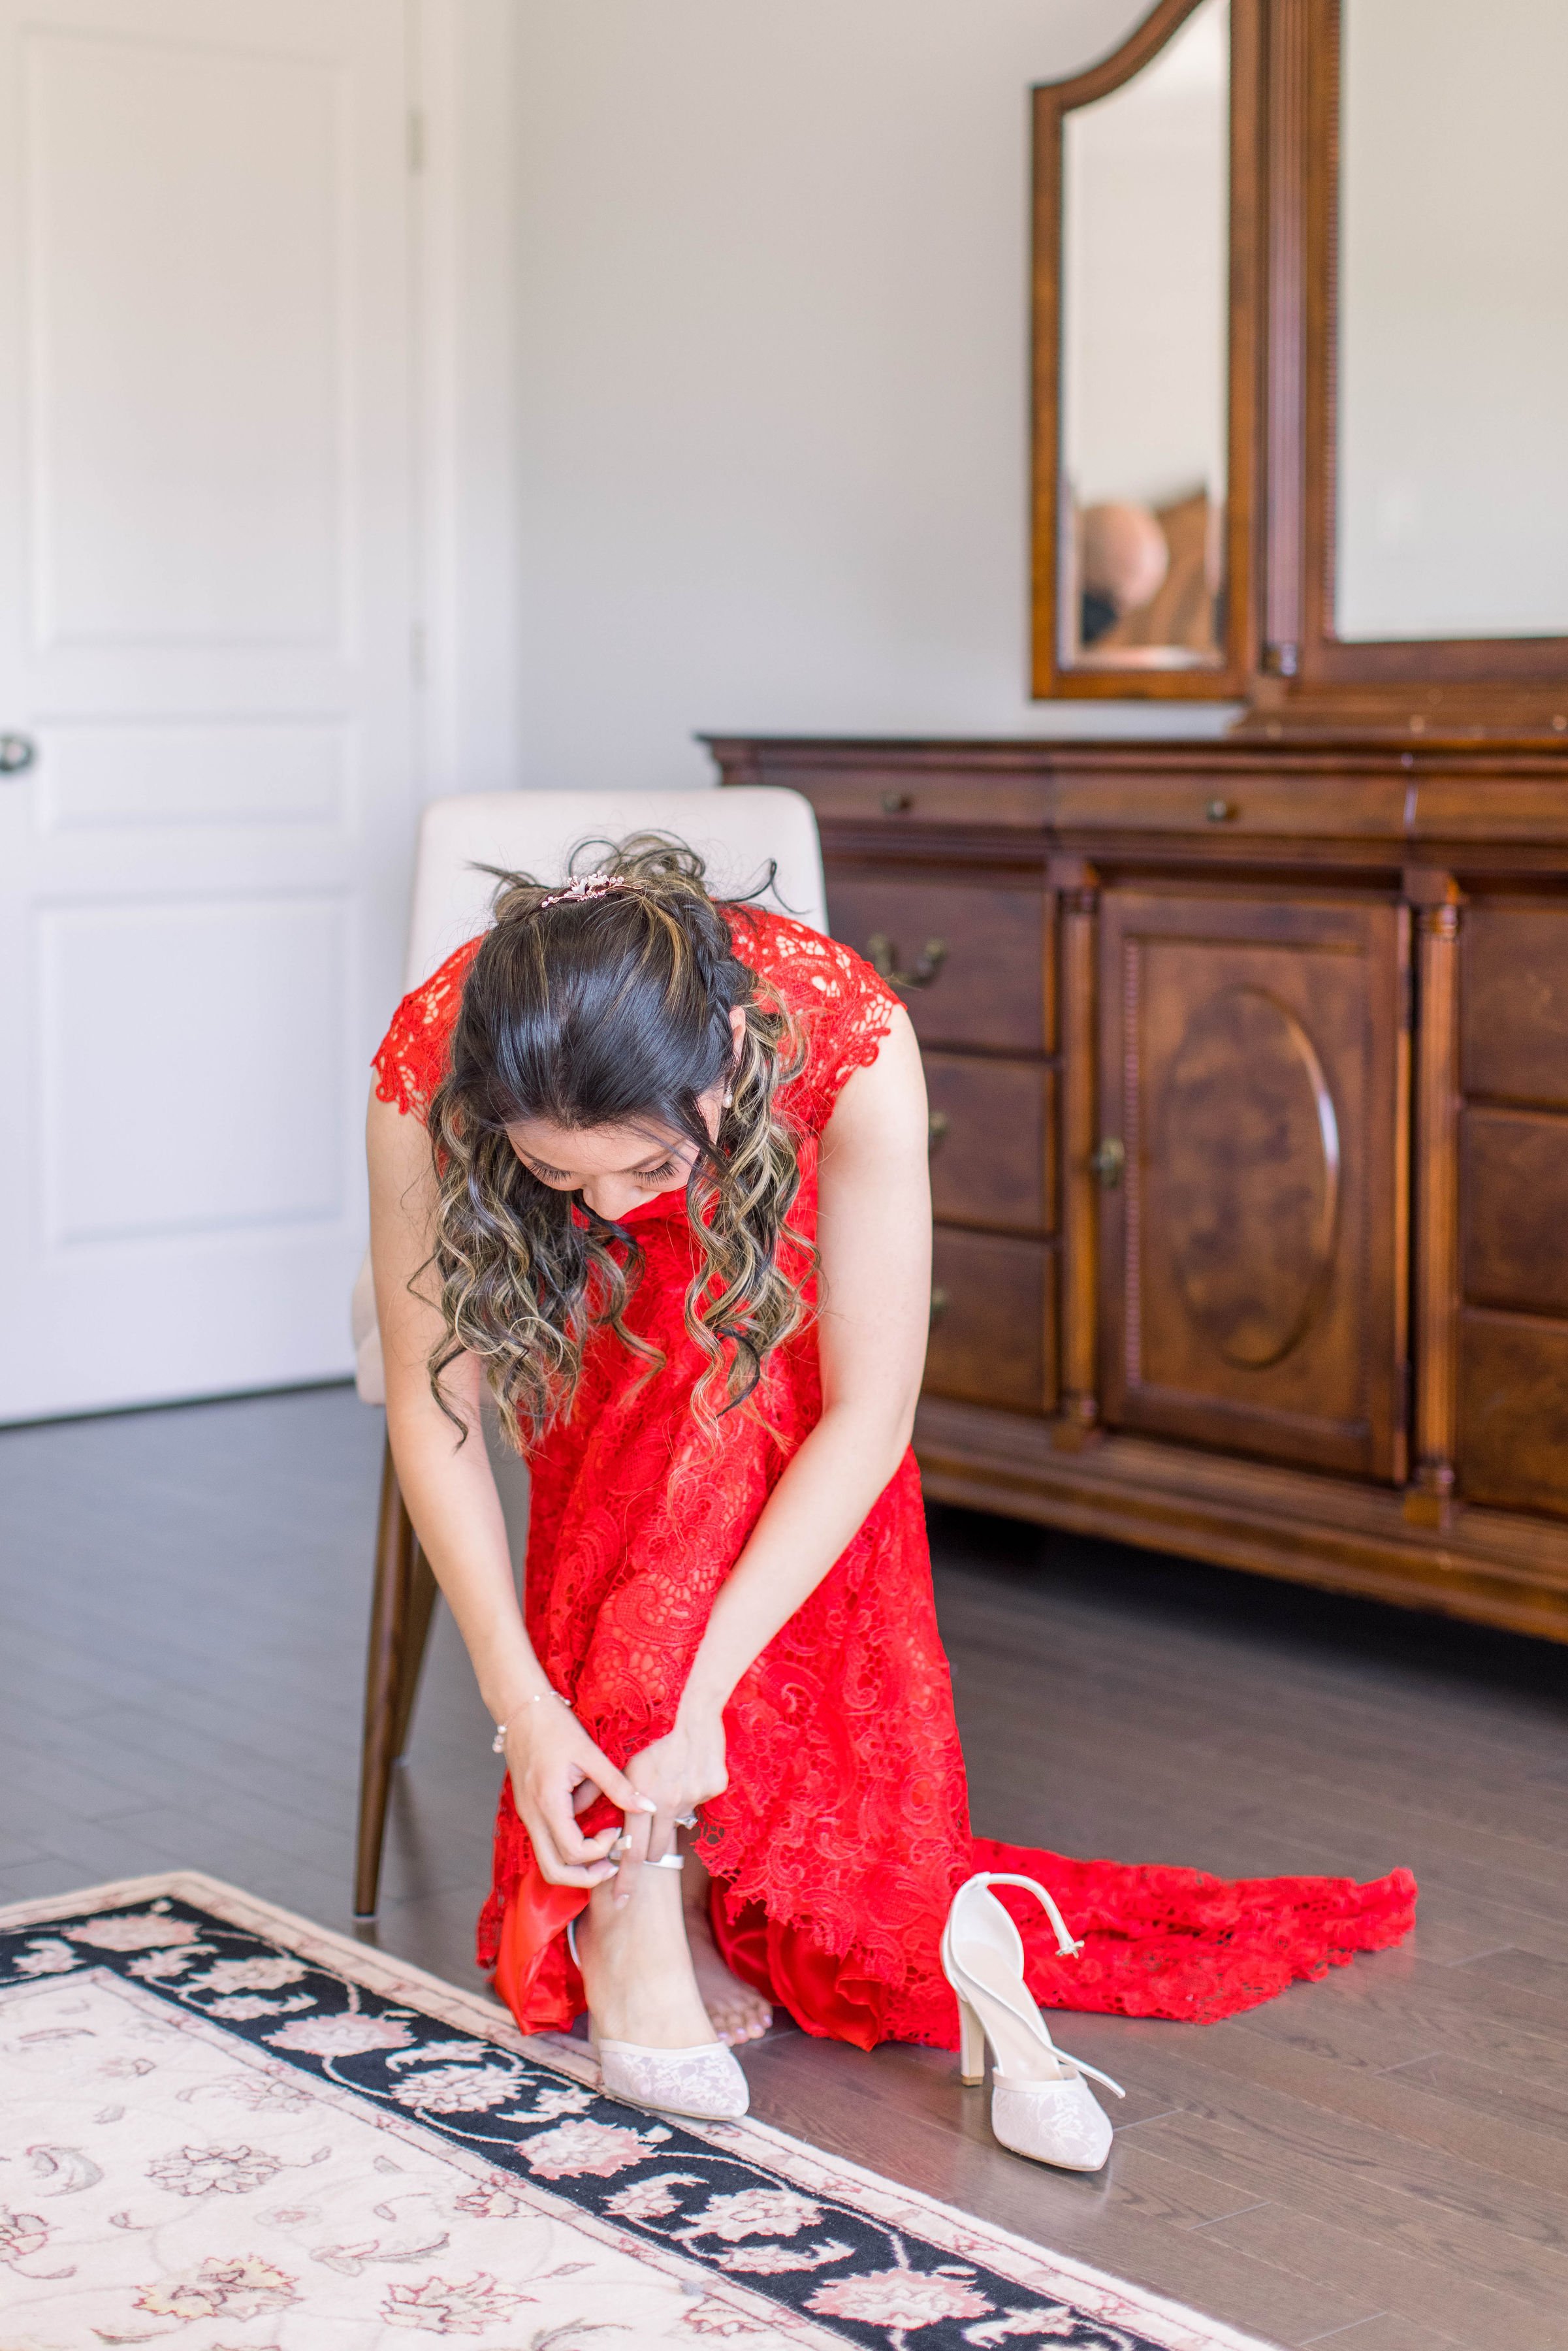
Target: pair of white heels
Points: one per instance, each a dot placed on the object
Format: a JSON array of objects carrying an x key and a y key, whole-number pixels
[{"x": 1041, "y": 2105}]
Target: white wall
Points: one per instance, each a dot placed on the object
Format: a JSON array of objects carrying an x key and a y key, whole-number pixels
[{"x": 771, "y": 374}]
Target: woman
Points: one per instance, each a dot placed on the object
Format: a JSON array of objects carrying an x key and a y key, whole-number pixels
[{"x": 653, "y": 1169}]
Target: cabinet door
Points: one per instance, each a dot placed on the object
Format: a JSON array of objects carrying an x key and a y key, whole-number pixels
[{"x": 1254, "y": 1071}]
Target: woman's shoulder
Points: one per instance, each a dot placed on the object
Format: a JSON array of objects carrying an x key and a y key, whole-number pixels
[
  {"x": 411, "y": 1059},
  {"x": 843, "y": 1007}
]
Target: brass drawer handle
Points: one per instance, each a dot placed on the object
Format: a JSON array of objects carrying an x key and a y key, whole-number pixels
[
  {"x": 1108, "y": 1160},
  {"x": 1220, "y": 811},
  {"x": 883, "y": 957},
  {"x": 896, "y": 803},
  {"x": 939, "y": 1302},
  {"x": 938, "y": 1123}
]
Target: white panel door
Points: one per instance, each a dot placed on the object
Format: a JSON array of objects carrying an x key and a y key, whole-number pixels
[{"x": 205, "y": 615}]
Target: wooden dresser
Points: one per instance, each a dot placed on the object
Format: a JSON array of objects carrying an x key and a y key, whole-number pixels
[{"x": 1248, "y": 1075}]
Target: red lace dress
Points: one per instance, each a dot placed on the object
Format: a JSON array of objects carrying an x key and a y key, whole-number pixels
[{"x": 844, "y": 1830}]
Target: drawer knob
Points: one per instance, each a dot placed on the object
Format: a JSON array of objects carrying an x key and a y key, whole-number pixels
[
  {"x": 896, "y": 803},
  {"x": 883, "y": 957},
  {"x": 1108, "y": 1159},
  {"x": 1220, "y": 811},
  {"x": 938, "y": 1123},
  {"x": 938, "y": 1306}
]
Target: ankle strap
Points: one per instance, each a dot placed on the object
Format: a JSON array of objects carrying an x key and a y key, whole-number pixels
[{"x": 1066, "y": 1947}]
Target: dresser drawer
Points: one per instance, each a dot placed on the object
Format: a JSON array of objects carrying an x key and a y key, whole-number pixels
[
  {"x": 1513, "y": 1411},
  {"x": 1218, "y": 800},
  {"x": 993, "y": 1320},
  {"x": 992, "y": 1124},
  {"x": 1514, "y": 1187},
  {"x": 1513, "y": 1000},
  {"x": 970, "y": 959}
]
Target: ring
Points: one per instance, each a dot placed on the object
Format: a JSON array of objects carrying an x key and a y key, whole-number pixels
[{"x": 685, "y": 1819}]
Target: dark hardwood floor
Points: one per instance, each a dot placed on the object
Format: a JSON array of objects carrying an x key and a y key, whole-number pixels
[{"x": 1379, "y": 2161}]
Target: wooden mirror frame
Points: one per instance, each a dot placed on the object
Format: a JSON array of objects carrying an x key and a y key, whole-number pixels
[
  {"x": 1489, "y": 677},
  {"x": 1228, "y": 680}
]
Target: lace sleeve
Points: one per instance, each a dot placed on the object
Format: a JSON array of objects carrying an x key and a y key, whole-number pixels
[
  {"x": 844, "y": 1007},
  {"x": 411, "y": 1059}
]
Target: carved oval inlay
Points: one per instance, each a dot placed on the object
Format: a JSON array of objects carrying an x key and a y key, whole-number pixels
[{"x": 1249, "y": 1164}]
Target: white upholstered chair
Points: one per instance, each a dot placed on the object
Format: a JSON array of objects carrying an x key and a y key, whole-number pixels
[{"x": 740, "y": 833}]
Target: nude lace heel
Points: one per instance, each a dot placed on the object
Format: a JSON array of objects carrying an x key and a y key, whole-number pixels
[
  {"x": 1041, "y": 2105},
  {"x": 704, "y": 2083}
]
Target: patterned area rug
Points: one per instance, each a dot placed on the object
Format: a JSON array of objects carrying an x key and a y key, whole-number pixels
[{"x": 224, "y": 2129}]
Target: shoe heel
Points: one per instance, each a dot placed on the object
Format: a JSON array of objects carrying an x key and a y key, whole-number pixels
[{"x": 971, "y": 2046}]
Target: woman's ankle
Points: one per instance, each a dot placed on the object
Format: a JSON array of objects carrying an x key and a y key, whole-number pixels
[
  {"x": 696, "y": 1887},
  {"x": 637, "y": 1966}
]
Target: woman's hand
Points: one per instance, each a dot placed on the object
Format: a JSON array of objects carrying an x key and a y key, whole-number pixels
[
  {"x": 557, "y": 1771},
  {"x": 677, "y": 1773}
]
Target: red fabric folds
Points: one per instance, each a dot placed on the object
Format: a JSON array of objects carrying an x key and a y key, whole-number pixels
[
  {"x": 844, "y": 1832},
  {"x": 1164, "y": 1941}
]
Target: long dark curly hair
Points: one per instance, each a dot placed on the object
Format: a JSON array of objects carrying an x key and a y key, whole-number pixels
[{"x": 605, "y": 1011}]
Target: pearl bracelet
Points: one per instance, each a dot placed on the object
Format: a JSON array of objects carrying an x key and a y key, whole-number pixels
[{"x": 498, "y": 1744}]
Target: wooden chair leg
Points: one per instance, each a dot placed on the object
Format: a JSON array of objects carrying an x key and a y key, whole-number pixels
[
  {"x": 400, "y": 1607},
  {"x": 423, "y": 1593}
]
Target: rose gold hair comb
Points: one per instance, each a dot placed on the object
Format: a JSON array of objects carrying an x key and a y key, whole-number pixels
[{"x": 587, "y": 886}]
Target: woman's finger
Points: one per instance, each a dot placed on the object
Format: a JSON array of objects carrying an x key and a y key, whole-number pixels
[
  {"x": 554, "y": 1807},
  {"x": 616, "y": 1785},
  {"x": 553, "y": 1865},
  {"x": 631, "y": 1851},
  {"x": 661, "y": 1836}
]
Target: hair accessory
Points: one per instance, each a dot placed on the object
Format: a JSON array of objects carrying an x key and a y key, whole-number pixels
[{"x": 587, "y": 886}]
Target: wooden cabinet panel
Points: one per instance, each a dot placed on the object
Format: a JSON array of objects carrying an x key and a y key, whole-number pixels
[
  {"x": 1253, "y": 1255},
  {"x": 1514, "y": 1215},
  {"x": 991, "y": 1160},
  {"x": 989, "y": 985},
  {"x": 1514, "y": 1000},
  {"x": 1513, "y": 1411},
  {"x": 992, "y": 1323}
]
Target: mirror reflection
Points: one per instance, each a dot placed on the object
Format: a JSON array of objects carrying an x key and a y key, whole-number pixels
[
  {"x": 1145, "y": 241},
  {"x": 1452, "y": 472}
]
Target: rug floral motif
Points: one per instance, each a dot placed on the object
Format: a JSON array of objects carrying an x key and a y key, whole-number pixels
[{"x": 223, "y": 2130}]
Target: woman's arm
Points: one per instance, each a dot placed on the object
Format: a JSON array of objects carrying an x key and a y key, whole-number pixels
[
  {"x": 450, "y": 1491},
  {"x": 874, "y": 1236}
]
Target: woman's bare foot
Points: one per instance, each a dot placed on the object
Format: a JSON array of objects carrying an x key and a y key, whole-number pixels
[
  {"x": 737, "y": 2013},
  {"x": 637, "y": 1966}
]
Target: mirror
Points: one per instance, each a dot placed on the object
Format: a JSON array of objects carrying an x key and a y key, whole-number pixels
[
  {"x": 1451, "y": 471},
  {"x": 1140, "y": 510}
]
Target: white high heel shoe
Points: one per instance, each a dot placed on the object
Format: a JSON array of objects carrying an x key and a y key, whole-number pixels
[
  {"x": 704, "y": 2083},
  {"x": 1040, "y": 2104}
]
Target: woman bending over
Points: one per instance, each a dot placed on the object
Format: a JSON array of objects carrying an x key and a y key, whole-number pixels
[{"x": 653, "y": 1169}]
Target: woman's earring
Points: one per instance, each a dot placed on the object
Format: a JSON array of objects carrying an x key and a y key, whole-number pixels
[{"x": 730, "y": 1101}]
